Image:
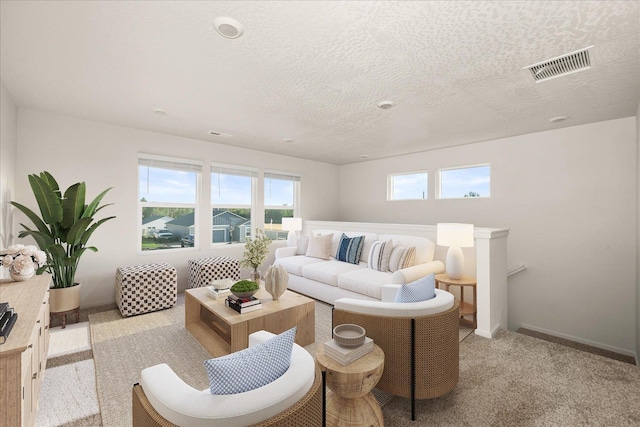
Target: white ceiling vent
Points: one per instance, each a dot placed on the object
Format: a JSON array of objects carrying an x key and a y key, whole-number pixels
[{"x": 561, "y": 65}]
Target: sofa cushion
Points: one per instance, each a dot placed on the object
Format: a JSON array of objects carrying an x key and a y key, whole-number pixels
[
  {"x": 422, "y": 289},
  {"x": 253, "y": 367},
  {"x": 425, "y": 248},
  {"x": 327, "y": 272},
  {"x": 401, "y": 257},
  {"x": 350, "y": 249},
  {"x": 294, "y": 264},
  {"x": 320, "y": 246},
  {"x": 369, "y": 238},
  {"x": 366, "y": 282},
  {"x": 379, "y": 255}
]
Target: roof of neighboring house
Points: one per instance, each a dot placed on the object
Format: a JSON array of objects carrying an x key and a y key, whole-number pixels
[
  {"x": 184, "y": 220},
  {"x": 154, "y": 218},
  {"x": 228, "y": 218}
]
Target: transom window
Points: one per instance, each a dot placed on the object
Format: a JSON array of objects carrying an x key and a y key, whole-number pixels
[
  {"x": 465, "y": 182},
  {"x": 168, "y": 191},
  {"x": 408, "y": 186},
  {"x": 281, "y": 194},
  {"x": 232, "y": 201}
]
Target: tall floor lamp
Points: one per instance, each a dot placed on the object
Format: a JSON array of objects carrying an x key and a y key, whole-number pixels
[
  {"x": 456, "y": 236},
  {"x": 292, "y": 225}
]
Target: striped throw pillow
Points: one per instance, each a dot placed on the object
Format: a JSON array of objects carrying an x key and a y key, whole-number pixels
[
  {"x": 379, "y": 255},
  {"x": 350, "y": 248},
  {"x": 402, "y": 257}
]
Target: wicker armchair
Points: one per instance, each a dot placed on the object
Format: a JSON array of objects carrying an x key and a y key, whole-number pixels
[
  {"x": 420, "y": 341},
  {"x": 200, "y": 408}
]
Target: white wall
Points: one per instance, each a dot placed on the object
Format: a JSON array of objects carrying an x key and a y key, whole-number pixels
[
  {"x": 8, "y": 146},
  {"x": 104, "y": 156},
  {"x": 569, "y": 199}
]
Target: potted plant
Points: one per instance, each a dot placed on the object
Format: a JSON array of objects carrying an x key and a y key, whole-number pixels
[
  {"x": 256, "y": 250},
  {"x": 62, "y": 231}
]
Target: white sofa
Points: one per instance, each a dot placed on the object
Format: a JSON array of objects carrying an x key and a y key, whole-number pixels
[{"x": 329, "y": 280}]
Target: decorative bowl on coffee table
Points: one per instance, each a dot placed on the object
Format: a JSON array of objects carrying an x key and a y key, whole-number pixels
[{"x": 349, "y": 335}]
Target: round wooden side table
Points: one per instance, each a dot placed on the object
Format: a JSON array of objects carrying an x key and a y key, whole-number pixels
[
  {"x": 466, "y": 308},
  {"x": 350, "y": 402}
]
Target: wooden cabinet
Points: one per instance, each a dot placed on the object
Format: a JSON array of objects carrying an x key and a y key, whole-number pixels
[{"x": 23, "y": 357}]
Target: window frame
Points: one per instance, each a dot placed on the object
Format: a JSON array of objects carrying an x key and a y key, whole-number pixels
[
  {"x": 472, "y": 166},
  {"x": 296, "y": 178},
  {"x": 229, "y": 169},
  {"x": 390, "y": 187},
  {"x": 158, "y": 161}
]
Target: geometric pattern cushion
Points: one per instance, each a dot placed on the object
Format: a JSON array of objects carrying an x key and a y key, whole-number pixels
[
  {"x": 379, "y": 255},
  {"x": 253, "y": 367},
  {"x": 401, "y": 257},
  {"x": 422, "y": 289},
  {"x": 349, "y": 249},
  {"x": 203, "y": 271},
  {"x": 146, "y": 288}
]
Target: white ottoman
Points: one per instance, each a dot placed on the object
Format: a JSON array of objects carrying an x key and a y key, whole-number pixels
[
  {"x": 145, "y": 288},
  {"x": 203, "y": 271}
]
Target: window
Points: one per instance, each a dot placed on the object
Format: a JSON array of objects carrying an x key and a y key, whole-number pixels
[
  {"x": 407, "y": 186},
  {"x": 232, "y": 196},
  {"x": 167, "y": 198},
  {"x": 280, "y": 200},
  {"x": 469, "y": 182}
]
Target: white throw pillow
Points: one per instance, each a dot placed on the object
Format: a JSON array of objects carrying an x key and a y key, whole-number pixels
[
  {"x": 379, "y": 255},
  {"x": 402, "y": 257},
  {"x": 320, "y": 246},
  {"x": 303, "y": 245}
]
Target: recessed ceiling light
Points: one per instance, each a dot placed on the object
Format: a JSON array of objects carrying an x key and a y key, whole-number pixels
[
  {"x": 558, "y": 119},
  {"x": 228, "y": 27},
  {"x": 288, "y": 140},
  {"x": 160, "y": 111},
  {"x": 364, "y": 156},
  {"x": 385, "y": 105},
  {"x": 220, "y": 134}
]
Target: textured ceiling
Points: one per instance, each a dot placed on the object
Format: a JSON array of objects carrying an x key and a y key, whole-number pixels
[{"x": 315, "y": 71}]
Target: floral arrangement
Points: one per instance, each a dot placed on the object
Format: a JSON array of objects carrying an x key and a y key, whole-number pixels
[
  {"x": 256, "y": 250},
  {"x": 22, "y": 259}
]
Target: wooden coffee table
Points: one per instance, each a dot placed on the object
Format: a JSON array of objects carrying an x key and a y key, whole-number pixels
[{"x": 221, "y": 330}]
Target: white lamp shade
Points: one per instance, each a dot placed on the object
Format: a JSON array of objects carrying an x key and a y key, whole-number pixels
[
  {"x": 455, "y": 235},
  {"x": 292, "y": 224}
]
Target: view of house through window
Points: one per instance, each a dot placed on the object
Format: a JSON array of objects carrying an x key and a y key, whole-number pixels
[
  {"x": 470, "y": 181},
  {"x": 232, "y": 195},
  {"x": 407, "y": 186},
  {"x": 167, "y": 195},
  {"x": 280, "y": 201}
]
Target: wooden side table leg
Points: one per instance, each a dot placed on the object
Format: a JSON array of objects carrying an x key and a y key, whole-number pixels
[
  {"x": 475, "y": 308},
  {"x": 64, "y": 321}
]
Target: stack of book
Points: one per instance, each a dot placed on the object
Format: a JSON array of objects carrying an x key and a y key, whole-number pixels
[
  {"x": 217, "y": 293},
  {"x": 7, "y": 320},
  {"x": 243, "y": 305},
  {"x": 346, "y": 355}
]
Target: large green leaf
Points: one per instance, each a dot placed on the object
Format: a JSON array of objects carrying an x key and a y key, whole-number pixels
[
  {"x": 92, "y": 208},
  {"x": 51, "y": 182},
  {"x": 48, "y": 201},
  {"x": 91, "y": 229},
  {"x": 73, "y": 204},
  {"x": 57, "y": 251},
  {"x": 77, "y": 230},
  {"x": 35, "y": 219},
  {"x": 43, "y": 240}
]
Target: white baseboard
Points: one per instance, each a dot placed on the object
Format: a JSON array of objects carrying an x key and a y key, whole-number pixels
[
  {"x": 581, "y": 341},
  {"x": 485, "y": 334}
]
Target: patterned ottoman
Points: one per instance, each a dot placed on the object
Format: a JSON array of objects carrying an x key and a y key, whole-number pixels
[
  {"x": 144, "y": 288},
  {"x": 204, "y": 270}
]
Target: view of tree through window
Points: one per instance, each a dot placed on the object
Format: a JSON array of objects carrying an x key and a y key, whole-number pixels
[
  {"x": 167, "y": 191},
  {"x": 473, "y": 181}
]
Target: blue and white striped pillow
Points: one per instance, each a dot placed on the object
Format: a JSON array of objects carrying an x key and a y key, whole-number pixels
[
  {"x": 422, "y": 289},
  {"x": 379, "y": 255},
  {"x": 253, "y": 367},
  {"x": 350, "y": 248}
]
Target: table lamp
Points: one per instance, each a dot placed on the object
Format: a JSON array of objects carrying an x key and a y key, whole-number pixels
[
  {"x": 456, "y": 236},
  {"x": 292, "y": 225}
]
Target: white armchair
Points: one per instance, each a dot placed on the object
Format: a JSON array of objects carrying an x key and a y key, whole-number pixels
[{"x": 294, "y": 399}]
